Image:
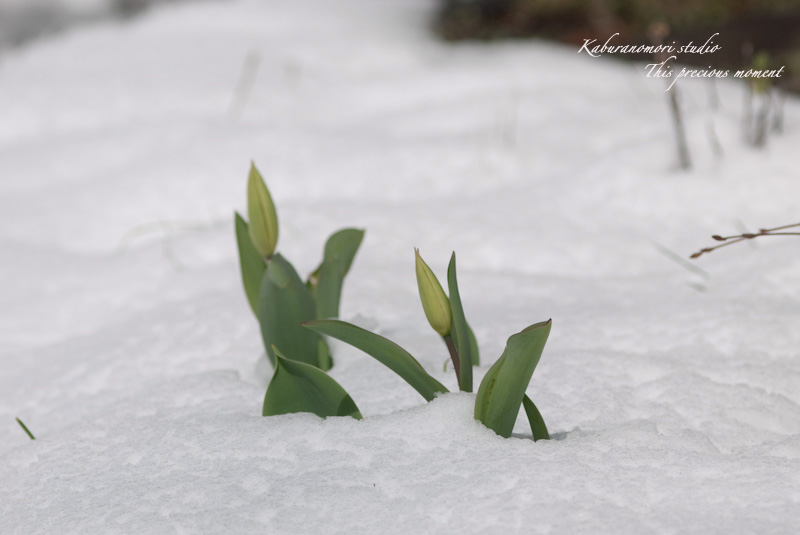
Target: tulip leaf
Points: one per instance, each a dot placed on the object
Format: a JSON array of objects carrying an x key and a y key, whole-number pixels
[
  {"x": 503, "y": 388},
  {"x": 327, "y": 280},
  {"x": 324, "y": 358},
  {"x": 473, "y": 344},
  {"x": 250, "y": 261},
  {"x": 285, "y": 303},
  {"x": 538, "y": 427},
  {"x": 460, "y": 330},
  {"x": 384, "y": 351},
  {"x": 300, "y": 387}
]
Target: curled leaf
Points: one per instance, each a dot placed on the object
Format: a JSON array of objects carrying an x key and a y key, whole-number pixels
[
  {"x": 384, "y": 351},
  {"x": 300, "y": 387},
  {"x": 284, "y": 303},
  {"x": 503, "y": 388}
]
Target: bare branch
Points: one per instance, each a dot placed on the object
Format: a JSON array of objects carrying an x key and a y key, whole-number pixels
[{"x": 730, "y": 240}]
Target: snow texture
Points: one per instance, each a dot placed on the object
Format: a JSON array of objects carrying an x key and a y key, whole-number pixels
[{"x": 128, "y": 348}]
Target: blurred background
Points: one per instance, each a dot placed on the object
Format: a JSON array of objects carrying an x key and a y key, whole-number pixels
[
  {"x": 22, "y": 20},
  {"x": 746, "y": 27}
]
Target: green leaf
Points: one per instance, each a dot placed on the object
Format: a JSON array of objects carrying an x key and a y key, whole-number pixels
[
  {"x": 324, "y": 358},
  {"x": 25, "y": 428},
  {"x": 538, "y": 427},
  {"x": 460, "y": 331},
  {"x": 384, "y": 351},
  {"x": 473, "y": 344},
  {"x": 502, "y": 389},
  {"x": 250, "y": 261},
  {"x": 300, "y": 387},
  {"x": 327, "y": 280},
  {"x": 284, "y": 303}
]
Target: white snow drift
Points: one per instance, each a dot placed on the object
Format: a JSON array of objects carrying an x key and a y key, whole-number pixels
[{"x": 128, "y": 348}]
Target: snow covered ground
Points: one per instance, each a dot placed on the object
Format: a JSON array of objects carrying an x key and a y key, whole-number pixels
[
  {"x": 22, "y": 20},
  {"x": 127, "y": 346}
]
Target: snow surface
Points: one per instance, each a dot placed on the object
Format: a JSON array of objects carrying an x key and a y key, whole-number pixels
[
  {"x": 127, "y": 346},
  {"x": 22, "y": 20}
]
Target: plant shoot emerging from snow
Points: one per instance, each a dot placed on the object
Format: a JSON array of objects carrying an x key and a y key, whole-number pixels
[
  {"x": 280, "y": 300},
  {"x": 501, "y": 392}
]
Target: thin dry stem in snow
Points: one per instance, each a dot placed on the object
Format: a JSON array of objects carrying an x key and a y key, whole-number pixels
[{"x": 730, "y": 240}]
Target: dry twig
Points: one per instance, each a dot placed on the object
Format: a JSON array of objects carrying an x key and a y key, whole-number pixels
[{"x": 730, "y": 240}]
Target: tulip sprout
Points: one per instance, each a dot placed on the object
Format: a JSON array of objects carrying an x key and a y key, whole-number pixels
[
  {"x": 446, "y": 316},
  {"x": 263, "y": 216},
  {"x": 280, "y": 300},
  {"x": 501, "y": 393}
]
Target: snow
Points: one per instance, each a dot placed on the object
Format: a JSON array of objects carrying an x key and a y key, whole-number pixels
[
  {"x": 129, "y": 350},
  {"x": 23, "y": 20}
]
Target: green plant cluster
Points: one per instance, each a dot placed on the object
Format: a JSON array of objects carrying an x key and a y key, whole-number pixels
[
  {"x": 295, "y": 317},
  {"x": 502, "y": 391},
  {"x": 280, "y": 300}
]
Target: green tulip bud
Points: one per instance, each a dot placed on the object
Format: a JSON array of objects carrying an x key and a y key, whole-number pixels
[
  {"x": 261, "y": 211},
  {"x": 434, "y": 301}
]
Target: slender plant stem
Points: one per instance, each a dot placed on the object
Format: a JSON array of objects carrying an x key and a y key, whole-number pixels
[
  {"x": 245, "y": 84},
  {"x": 730, "y": 240},
  {"x": 680, "y": 130},
  {"x": 448, "y": 340},
  {"x": 25, "y": 429},
  {"x": 780, "y": 234},
  {"x": 769, "y": 230}
]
